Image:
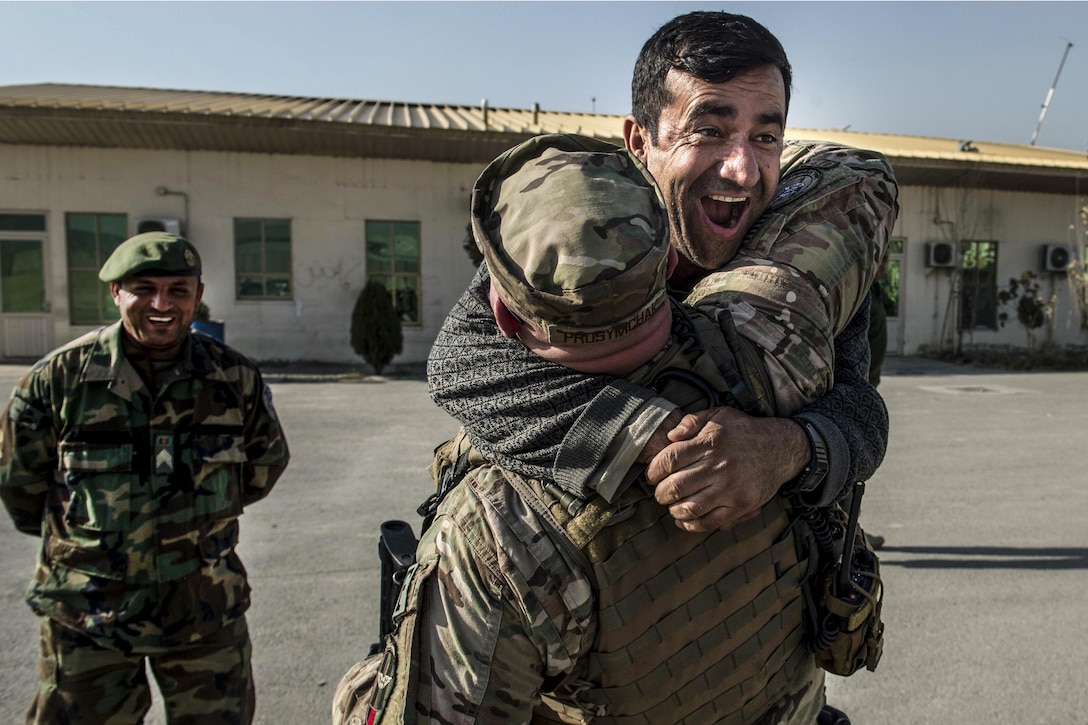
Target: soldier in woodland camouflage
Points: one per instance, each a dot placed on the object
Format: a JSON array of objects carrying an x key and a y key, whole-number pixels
[
  {"x": 528, "y": 604},
  {"x": 131, "y": 452}
]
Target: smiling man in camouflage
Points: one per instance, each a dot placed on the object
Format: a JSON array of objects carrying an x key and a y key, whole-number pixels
[
  {"x": 527, "y": 603},
  {"x": 710, "y": 94},
  {"x": 131, "y": 452}
]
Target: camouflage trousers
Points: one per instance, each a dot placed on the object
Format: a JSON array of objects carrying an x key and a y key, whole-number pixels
[{"x": 81, "y": 682}]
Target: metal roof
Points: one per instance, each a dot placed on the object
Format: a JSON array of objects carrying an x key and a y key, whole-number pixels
[{"x": 151, "y": 118}]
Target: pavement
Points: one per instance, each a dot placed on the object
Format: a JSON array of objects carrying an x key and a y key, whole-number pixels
[{"x": 981, "y": 499}]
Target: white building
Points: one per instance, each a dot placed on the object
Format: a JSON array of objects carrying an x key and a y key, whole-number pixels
[{"x": 295, "y": 202}]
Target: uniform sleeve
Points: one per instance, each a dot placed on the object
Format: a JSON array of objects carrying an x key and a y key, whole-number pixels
[
  {"x": 523, "y": 412},
  {"x": 473, "y": 643},
  {"x": 267, "y": 454},
  {"x": 807, "y": 267},
  {"x": 480, "y": 662},
  {"x": 28, "y": 453},
  {"x": 851, "y": 418},
  {"x": 545, "y": 421}
]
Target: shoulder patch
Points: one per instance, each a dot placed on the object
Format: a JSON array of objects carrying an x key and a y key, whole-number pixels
[{"x": 794, "y": 185}]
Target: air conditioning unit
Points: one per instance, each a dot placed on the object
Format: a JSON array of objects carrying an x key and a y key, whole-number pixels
[
  {"x": 1057, "y": 257},
  {"x": 143, "y": 224},
  {"x": 941, "y": 254}
]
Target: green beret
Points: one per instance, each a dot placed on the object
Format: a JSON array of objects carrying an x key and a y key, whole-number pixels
[{"x": 154, "y": 254}]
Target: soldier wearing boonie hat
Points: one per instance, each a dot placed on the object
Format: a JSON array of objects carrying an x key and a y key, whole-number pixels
[
  {"x": 575, "y": 237},
  {"x": 153, "y": 254},
  {"x": 576, "y": 252}
]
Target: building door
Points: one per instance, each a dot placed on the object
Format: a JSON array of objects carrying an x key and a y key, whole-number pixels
[
  {"x": 891, "y": 288},
  {"x": 25, "y": 322}
]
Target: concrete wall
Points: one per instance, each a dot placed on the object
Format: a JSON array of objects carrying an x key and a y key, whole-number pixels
[
  {"x": 327, "y": 199},
  {"x": 1021, "y": 224}
]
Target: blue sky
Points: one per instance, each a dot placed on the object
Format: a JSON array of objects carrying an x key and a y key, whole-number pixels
[{"x": 964, "y": 70}]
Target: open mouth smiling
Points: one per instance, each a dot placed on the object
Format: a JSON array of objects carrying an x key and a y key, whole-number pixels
[{"x": 725, "y": 211}]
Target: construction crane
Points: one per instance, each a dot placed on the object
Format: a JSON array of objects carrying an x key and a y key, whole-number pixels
[{"x": 1050, "y": 94}]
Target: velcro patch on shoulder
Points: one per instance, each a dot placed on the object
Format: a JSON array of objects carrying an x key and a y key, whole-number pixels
[{"x": 795, "y": 185}]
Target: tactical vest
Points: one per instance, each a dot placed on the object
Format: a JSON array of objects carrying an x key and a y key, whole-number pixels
[
  {"x": 700, "y": 628},
  {"x": 695, "y": 628},
  {"x": 691, "y": 627},
  {"x": 706, "y": 364}
]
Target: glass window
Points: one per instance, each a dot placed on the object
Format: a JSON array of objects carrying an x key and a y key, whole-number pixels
[
  {"x": 889, "y": 289},
  {"x": 22, "y": 275},
  {"x": 22, "y": 222},
  {"x": 262, "y": 259},
  {"x": 979, "y": 296},
  {"x": 91, "y": 239},
  {"x": 392, "y": 260},
  {"x": 888, "y": 284}
]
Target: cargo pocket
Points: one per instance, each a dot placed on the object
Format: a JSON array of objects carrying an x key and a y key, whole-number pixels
[
  {"x": 99, "y": 480},
  {"x": 397, "y": 676},
  {"x": 217, "y": 475}
]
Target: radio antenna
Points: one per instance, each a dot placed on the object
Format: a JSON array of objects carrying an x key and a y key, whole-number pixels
[{"x": 1050, "y": 94}]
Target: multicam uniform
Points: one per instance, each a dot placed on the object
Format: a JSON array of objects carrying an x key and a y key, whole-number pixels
[
  {"x": 546, "y": 421},
  {"x": 807, "y": 265},
  {"x": 530, "y": 604},
  {"x": 136, "y": 495},
  {"x": 506, "y": 622}
]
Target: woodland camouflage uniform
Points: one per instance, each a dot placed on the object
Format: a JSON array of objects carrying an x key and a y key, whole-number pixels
[
  {"x": 136, "y": 493},
  {"x": 530, "y": 604}
]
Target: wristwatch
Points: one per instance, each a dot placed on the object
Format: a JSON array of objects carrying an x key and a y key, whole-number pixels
[{"x": 815, "y": 471}]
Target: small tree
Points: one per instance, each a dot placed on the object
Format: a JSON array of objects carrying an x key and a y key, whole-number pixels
[
  {"x": 375, "y": 327},
  {"x": 1031, "y": 309}
]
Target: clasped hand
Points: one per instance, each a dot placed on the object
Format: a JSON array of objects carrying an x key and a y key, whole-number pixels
[{"x": 721, "y": 466}]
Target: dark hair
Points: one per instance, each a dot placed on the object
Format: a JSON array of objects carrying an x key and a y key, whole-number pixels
[{"x": 712, "y": 46}]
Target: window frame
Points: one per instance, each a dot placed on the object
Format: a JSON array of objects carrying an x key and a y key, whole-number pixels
[
  {"x": 396, "y": 282},
  {"x": 107, "y": 311},
  {"x": 265, "y": 275},
  {"x": 38, "y": 234},
  {"x": 971, "y": 284}
]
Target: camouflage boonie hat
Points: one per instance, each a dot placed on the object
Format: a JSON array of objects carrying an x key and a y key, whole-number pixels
[
  {"x": 154, "y": 254},
  {"x": 575, "y": 236}
]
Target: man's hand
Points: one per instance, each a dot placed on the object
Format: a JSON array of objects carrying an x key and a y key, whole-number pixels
[{"x": 724, "y": 465}]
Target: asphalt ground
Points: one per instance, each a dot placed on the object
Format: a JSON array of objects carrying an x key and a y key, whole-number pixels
[{"x": 981, "y": 498}]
